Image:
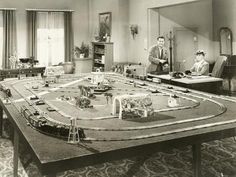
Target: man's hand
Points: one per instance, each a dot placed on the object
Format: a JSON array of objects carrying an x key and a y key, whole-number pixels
[
  {"x": 166, "y": 65},
  {"x": 162, "y": 61}
]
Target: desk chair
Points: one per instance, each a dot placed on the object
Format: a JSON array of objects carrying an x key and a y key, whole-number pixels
[{"x": 219, "y": 66}]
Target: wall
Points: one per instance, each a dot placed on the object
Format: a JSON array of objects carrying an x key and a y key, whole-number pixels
[
  {"x": 124, "y": 31},
  {"x": 80, "y": 18},
  {"x": 224, "y": 15},
  {"x": 125, "y": 13},
  {"x": 120, "y": 29},
  {"x": 188, "y": 16},
  {"x": 138, "y": 14}
]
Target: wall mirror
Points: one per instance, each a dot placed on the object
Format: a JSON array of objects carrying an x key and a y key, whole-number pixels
[{"x": 225, "y": 41}]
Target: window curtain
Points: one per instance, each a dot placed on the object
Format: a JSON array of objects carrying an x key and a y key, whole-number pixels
[
  {"x": 32, "y": 33},
  {"x": 69, "y": 36},
  {"x": 9, "y": 37},
  {"x": 50, "y": 38},
  {"x": 1, "y": 39}
]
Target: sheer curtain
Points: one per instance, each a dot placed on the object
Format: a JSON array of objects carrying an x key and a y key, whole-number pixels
[
  {"x": 50, "y": 38},
  {"x": 1, "y": 39}
]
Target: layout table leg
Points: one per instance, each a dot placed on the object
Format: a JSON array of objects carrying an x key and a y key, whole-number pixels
[
  {"x": 229, "y": 82},
  {"x": 16, "y": 153},
  {"x": 1, "y": 121},
  {"x": 196, "y": 148}
]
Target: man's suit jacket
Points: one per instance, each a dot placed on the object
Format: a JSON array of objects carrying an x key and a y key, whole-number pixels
[{"x": 154, "y": 57}]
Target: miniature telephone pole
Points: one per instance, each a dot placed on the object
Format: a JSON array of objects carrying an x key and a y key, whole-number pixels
[{"x": 73, "y": 137}]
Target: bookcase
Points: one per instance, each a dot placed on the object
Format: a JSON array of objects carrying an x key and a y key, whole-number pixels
[{"x": 102, "y": 56}]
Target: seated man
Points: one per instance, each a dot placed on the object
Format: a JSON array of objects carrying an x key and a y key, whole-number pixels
[
  {"x": 158, "y": 57},
  {"x": 200, "y": 67}
]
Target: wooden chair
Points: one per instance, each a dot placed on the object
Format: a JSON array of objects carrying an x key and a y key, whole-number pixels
[{"x": 219, "y": 66}]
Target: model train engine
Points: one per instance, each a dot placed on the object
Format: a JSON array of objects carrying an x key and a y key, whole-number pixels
[
  {"x": 135, "y": 71},
  {"x": 42, "y": 124}
]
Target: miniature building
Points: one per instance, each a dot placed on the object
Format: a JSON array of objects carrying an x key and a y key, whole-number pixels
[
  {"x": 135, "y": 70},
  {"x": 53, "y": 73},
  {"x": 138, "y": 105},
  {"x": 97, "y": 77}
]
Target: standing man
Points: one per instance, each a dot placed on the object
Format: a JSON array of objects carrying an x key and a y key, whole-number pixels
[{"x": 158, "y": 57}]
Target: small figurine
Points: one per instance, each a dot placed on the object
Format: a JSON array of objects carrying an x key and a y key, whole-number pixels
[
  {"x": 46, "y": 84},
  {"x": 172, "y": 101},
  {"x": 36, "y": 113},
  {"x": 108, "y": 96}
]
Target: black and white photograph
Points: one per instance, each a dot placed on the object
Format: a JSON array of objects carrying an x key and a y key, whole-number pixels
[{"x": 117, "y": 88}]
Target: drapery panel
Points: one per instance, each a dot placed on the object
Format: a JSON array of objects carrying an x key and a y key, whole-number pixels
[
  {"x": 9, "y": 37},
  {"x": 32, "y": 33},
  {"x": 1, "y": 39},
  {"x": 69, "y": 36}
]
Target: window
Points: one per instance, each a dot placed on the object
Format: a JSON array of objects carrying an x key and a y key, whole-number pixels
[
  {"x": 50, "y": 38},
  {"x": 1, "y": 39}
]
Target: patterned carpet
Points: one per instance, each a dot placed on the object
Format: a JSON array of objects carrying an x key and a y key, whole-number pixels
[{"x": 218, "y": 160}]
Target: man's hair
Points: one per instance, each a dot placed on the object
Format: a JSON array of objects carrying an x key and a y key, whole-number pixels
[{"x": 160, "y": 37}]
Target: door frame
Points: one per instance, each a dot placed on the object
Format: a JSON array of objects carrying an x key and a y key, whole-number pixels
[{"x": 175, "y": 29}]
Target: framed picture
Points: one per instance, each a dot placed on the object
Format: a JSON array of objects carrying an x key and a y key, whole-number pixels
[{"x": 104, "y": 24}]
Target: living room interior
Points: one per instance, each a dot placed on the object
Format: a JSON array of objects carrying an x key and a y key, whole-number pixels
[{"x": 134, "y": 25}]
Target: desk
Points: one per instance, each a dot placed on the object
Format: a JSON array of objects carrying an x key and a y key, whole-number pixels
[
  {"x": 200, "y": 118},
  {"x": 202, "y": 83},
  {"x": 229, "y": 72}
]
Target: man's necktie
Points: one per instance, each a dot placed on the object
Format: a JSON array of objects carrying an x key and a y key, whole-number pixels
[{"x": 161, "y": 53}]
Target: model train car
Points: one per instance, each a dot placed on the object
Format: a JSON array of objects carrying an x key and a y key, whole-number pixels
[
  {"x": 135, "y": 71},
  {"x": 42, "y": 124}
]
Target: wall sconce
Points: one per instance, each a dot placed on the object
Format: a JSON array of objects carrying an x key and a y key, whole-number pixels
[{"x": 134, "y": 30}]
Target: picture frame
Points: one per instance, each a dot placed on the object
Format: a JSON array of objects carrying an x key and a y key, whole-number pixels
[{"x": 105, "y": 21}]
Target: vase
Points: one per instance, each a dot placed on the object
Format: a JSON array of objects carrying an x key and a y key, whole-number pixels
[{"x": 81, "y": 55}]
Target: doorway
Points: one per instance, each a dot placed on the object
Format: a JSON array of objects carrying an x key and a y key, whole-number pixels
[{"x": 185, "y": 46}]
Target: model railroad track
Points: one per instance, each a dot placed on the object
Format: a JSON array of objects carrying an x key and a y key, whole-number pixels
[
  {"x": 196, "y": 103},
  {"x": 162, "y": 89},
  {"x": 33, "y": 107}
]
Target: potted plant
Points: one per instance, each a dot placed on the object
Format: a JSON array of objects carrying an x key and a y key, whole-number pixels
[{"x": 82, "y": 51}]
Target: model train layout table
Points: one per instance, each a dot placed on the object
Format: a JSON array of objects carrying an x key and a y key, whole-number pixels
[{"x": 41, "y": 114}]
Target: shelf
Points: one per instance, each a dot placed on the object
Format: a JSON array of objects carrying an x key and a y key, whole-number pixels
[
  {"x": 100, "y": 53},
  {"x": 98, "y": 63},
  {"x": 103, "y": 55}
]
